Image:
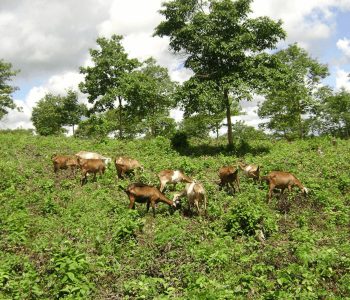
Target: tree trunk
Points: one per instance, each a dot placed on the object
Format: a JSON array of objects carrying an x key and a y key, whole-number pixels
[
  {"x": 217, "y": 131},
  {"x": 228, "y": 117},
  {"x": 120, "y": 118},
  {"x": 300, "y": 122},
  {"x": 73, "y": 129}
]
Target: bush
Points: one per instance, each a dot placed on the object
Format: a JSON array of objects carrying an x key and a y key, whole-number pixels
[
  {"x": 180, "y": 140},
  {"x": 247, "y": 216}
]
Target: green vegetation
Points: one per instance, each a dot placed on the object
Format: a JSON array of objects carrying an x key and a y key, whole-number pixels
[
  {"x": 63, "y": 241},
  {"x": 55, "y": 111},
  {"x": 225, "y": 49},
  {"x": 6, "y": 100}
]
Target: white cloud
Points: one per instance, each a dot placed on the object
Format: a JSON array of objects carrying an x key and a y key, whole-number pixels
[
  {"x": 42, "y": 37},
  {"x": 309, "y": 23},
  {"x": 344, "y": 46},
  {"x": 342, "y": 80},
  {"x": 57, "y": 85},
  {"x": 49, "y": 40}
]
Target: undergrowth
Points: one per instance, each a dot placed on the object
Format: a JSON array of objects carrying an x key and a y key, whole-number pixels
[{"x": 63, "y": 241}]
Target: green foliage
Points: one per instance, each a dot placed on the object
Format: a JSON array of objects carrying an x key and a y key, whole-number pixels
[
  {"x": 333, "y": 113},
  {"x": 291, "y": 99},
  {"x": 246, "y": 217},
  {"x": 6, "y": 101},
  {"x": 134, "y": 85},
  {"x": 54, "y": 111},
  {"x": 224, "y": 48},
  {"x": 179, "y": 140},
  {"x": 104, "y": 81},
  {"x": 68, "y": 277}
]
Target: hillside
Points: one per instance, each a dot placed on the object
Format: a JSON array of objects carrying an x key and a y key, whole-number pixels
[{"x": 61, "y": 240}]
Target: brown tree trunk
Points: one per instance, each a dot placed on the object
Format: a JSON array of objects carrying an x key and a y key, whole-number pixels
[
  {"x": 120, "y": 118},
  {"x": 228, "y": 117}
]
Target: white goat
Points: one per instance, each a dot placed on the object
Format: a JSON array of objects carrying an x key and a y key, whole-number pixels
[
  {"x": 195, "y": 193},
  {"x": 93, "y": 155}
]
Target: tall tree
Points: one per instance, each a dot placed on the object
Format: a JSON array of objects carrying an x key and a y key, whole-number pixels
[
  {"x": 71, "y": 109},
  {"x": 291, "y": 99},
  {"x": 47, "y": 115},
  {"x": 6, "y": 101},
  {"x": 103, "y": 80},
  {"x": 55, "y": 111},
  {"x": 149, "y": 92},
  {"x": 202, "y": 103},
  {"x": 333, "y": 112},
  {"x": 222, "y": 45}
]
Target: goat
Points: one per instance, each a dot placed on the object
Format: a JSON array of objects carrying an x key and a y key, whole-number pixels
[
  {"x": 196, "y": 195},
  {"x": 62, "y": 162},
  {"x": 141, "y": 193},
  {"x": 282, "y": 180},
  {"x": 172, "y": 176},
  {"x": 89, "y": 166},
  {"x": 229, "y": 176},
  {"x": 125, "y": 165},
  {"x": 250, "y": 171},
  {"x": 93, "y": 155}
]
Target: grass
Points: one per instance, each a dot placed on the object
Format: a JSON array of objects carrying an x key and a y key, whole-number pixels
[{"x": 61, "y": 240}]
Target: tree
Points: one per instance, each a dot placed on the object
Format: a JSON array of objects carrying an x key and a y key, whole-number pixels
[
  {"x": 55, "y": 111},
  {"x": 203, "y": 107},
  {"x": 6, "y": 101},
  {"x": 292, "y": 97},
  {"x": 71, "y": 110},
  {"x": 222, "y": 46},
  {"x": 47, "y": 115},
  {"x": 149, "y": 95},
  {"x": 333, "y": 112},
  {"x": 103, "y": 80}
]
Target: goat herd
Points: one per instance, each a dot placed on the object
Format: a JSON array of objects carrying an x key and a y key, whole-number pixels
[{"x": 93, "y": 163}]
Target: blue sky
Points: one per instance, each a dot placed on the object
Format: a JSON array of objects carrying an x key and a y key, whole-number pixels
[{"x": 49, "y": 40}]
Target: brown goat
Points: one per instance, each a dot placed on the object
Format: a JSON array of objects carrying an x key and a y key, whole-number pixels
[
  {"x": 89, "y": 166},
  {"x": 125, "y": 165},
  {"x": 172, "y": 176},
  {"x": 63, "y": 162},
  {"x": 250, "y": 171},
  {"x": 196, "y": 195},
  {"x": 229, "y": 176},
  {"x": 282, "y": 180},
  {"x": 141, "y": 193}
]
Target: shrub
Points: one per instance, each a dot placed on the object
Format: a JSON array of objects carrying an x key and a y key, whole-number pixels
[
  {"x": 180, "y": 140},
  {"x": 247, "y": 216}
]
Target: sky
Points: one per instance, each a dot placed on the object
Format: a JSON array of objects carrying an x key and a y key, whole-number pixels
[{"x": 49, "y": 40}]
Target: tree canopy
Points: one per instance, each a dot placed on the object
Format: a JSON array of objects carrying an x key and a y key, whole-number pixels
[
  {"x": 333, "y": 112},
  {"x": 6, "y": 100},
  {"x": 103, "y": 81},
  {"x": 221, "y": 45},
  {"x": 52, "y": 112},
  {"x": 137, "y": 91},
  {"x": 291, "y": 100}
]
